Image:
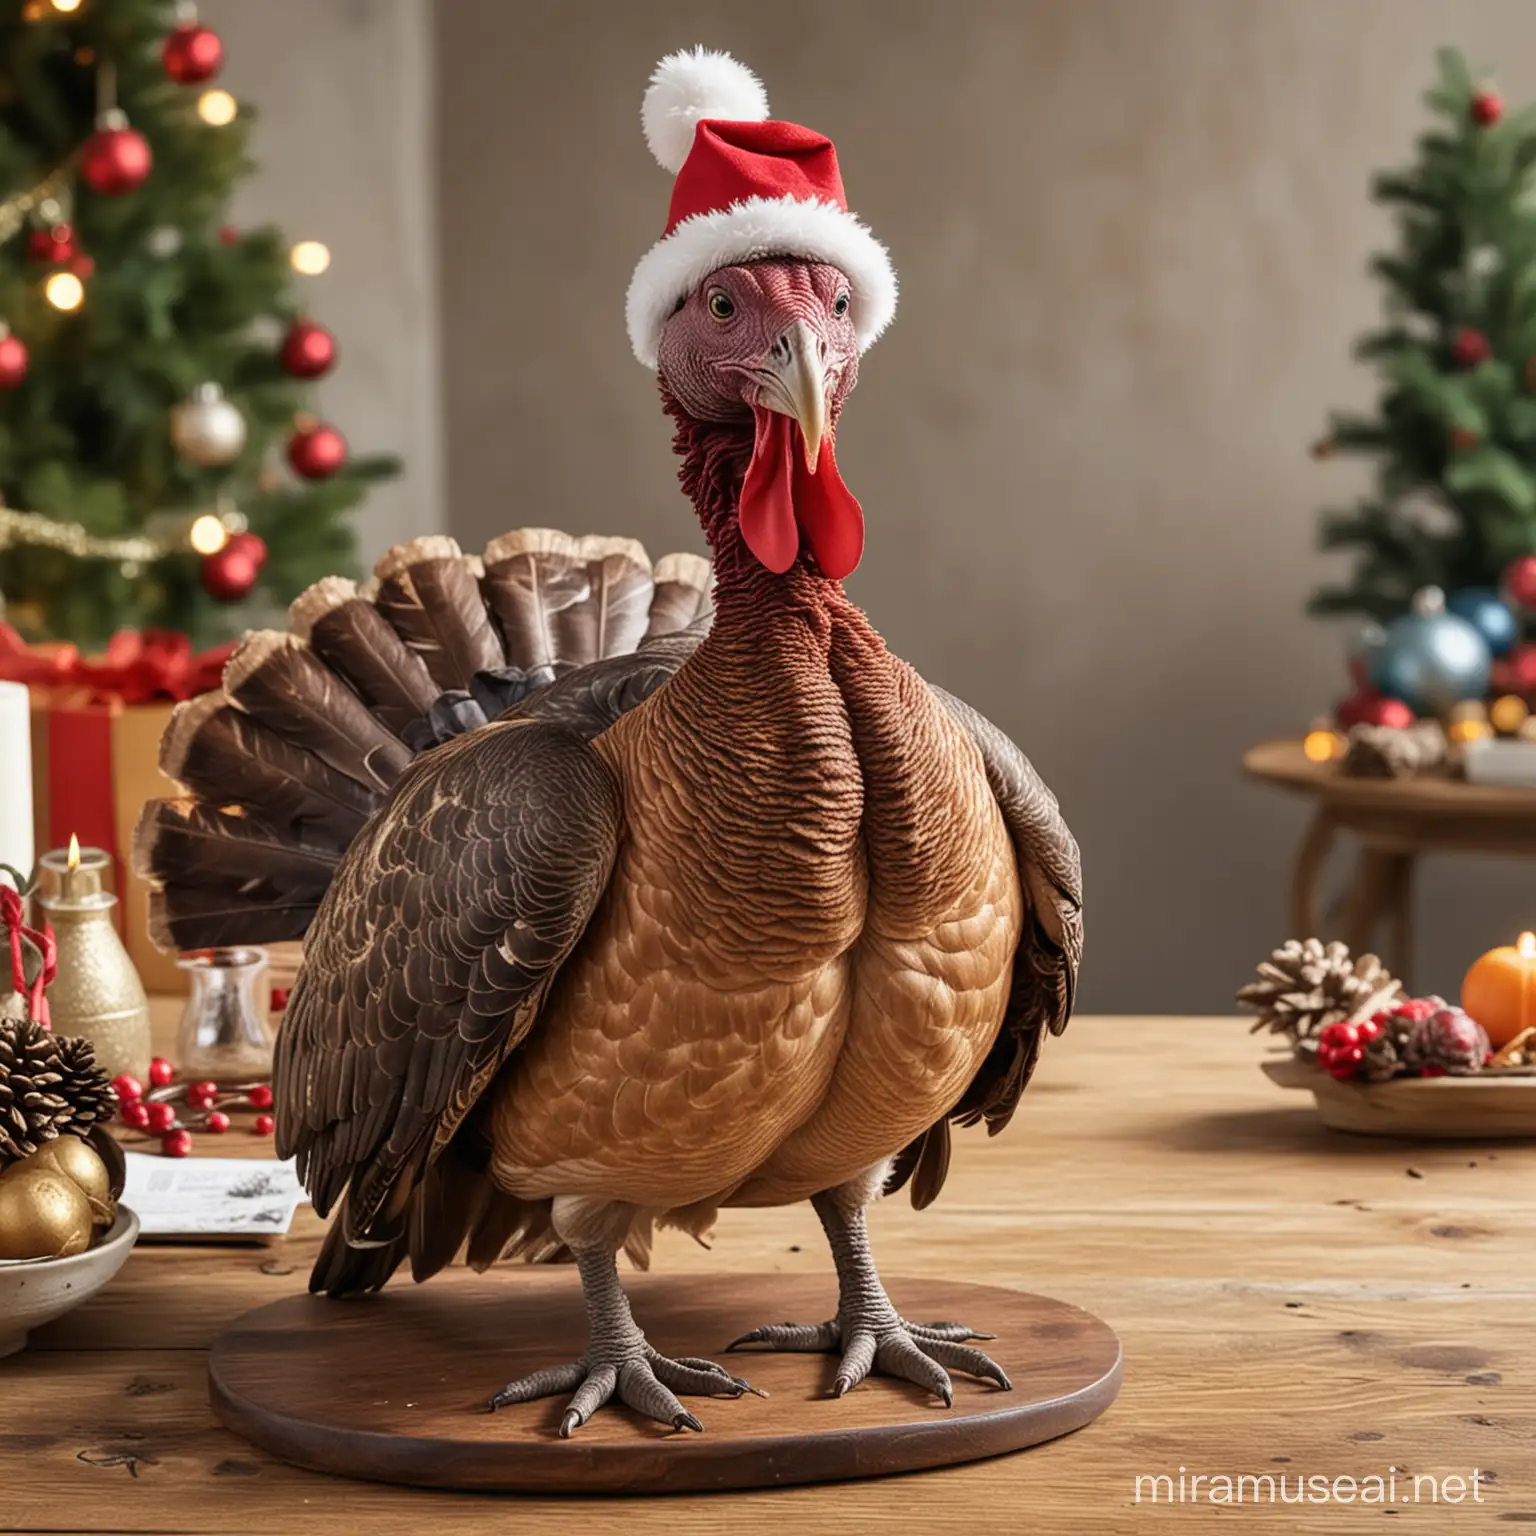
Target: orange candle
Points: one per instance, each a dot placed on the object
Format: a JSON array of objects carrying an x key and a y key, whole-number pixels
[{"x": 1500, "y": 989}]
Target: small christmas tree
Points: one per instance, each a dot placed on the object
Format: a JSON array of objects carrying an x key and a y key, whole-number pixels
[
  {"x": 1454, "y": 433},
  {"x": 155, "y": 363}
]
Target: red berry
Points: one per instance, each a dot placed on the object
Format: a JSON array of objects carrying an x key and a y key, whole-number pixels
[
  {"x": 1470, "y": 347},
  {"x": 159, "y": 1117},
  {"x": 1368, "y": 1029},
  {"x": 279, "y": 999},
  {"x": 161, "y": 1072},
  {"x": 177, "y": 1143},
  {"x": 1343, "y": 1070},
  {"x": 265, "y": 1125},
  {"x": 228, "y": 234},
  {"x": 135, "y": 1115},
  {"x": 261, "y": 1097},
  {"x": 1418, "y": 1008},
  {"x": 1432, "y": 1070},
  {"x": 127, "y": 1088},
  {"x": 202, "y": 1095},
  {"x": 1487, "y": 108},
  {"x": 217, "y": 1122}
]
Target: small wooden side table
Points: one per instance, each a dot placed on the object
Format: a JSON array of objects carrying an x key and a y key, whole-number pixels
[{"x": 1395, "y": 821}]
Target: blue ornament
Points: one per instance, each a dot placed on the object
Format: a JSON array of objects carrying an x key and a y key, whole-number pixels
[
  {"x": 1432, "y": 659},
  {"x": 1489, "y": 615}
]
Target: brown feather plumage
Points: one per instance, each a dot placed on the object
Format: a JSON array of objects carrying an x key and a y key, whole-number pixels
[
  {"x": 682, "y": 594},
  {"x": 563, "y": 600},
  {"x": 349, "y": 634},
  {"x": 430, "y": 593},
  {"x": 277, "y": 679}
]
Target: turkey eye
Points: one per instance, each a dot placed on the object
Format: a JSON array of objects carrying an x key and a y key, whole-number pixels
[
  {"x": 840, "y": 305},
  {"x": 720, "y": 305}
]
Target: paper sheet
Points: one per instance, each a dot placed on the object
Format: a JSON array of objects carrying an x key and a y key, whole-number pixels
[{"x": 212, "y": 1196}]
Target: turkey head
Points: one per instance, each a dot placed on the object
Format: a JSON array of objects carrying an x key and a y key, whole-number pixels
[{"x": 774, "y": 341}]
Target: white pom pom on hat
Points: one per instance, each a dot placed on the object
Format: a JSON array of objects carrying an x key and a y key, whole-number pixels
[
  {"x": 690, "y": 85},
  {"x": 747, "y": 188}
]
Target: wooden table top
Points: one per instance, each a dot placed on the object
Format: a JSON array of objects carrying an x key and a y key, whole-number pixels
[
  {"x": 1284, "y": 763},
  {"x": 1291, "y": 1301}
]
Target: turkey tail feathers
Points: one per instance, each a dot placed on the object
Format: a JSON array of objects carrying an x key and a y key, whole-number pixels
[{"x": 284, "y": 765}]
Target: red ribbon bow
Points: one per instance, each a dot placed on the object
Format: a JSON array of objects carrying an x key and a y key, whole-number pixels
[
  {"x": 138, "y": 665},
  {"x": 11, "y": 915}
]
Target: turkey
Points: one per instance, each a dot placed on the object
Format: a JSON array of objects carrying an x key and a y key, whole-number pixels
[{"x": 632, "y": 891}]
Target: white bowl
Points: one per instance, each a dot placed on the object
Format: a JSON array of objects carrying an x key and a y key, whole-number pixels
[{"x": 35, "y": 1291}]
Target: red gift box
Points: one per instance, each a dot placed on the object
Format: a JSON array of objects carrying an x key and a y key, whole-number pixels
[{"x": 96, "y": 728}]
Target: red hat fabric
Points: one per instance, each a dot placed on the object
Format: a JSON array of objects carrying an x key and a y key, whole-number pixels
[{"x": 746, "y": 187}]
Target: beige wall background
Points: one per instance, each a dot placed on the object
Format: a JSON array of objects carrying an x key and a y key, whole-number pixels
[
  {"x": 1131, "y": 237},
  {"x": 345, "y": 142}
]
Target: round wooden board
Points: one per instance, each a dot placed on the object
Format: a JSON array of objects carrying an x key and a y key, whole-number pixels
[{"x": 392, "y": 1388}]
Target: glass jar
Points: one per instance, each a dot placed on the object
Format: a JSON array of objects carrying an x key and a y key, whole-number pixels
[{"x": 224, "y": 1032}]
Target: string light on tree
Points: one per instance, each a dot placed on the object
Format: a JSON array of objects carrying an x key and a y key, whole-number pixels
[
  {"x": 208, "y": 535},
  {"x": 310, "y": 257},
  {"x": 64, "y": 291},
  {"x": 217, "y": 108}
]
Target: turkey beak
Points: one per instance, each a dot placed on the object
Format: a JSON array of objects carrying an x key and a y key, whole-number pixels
[{"x": 793, "y": 381}]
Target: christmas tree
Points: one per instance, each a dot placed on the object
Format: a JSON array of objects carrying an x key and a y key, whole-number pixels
[
  {"x": 1454, "y": 432},
  {"x": 159, "y": 464}
]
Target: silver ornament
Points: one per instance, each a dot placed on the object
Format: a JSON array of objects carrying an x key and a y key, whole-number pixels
[{"x": 207, "y": 430}]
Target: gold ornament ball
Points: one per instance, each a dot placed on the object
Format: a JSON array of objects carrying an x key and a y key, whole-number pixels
[
  {"x": 81, "y": 1164},
  {"x": 207, "y": 430},
  {"x": 43, "y": 1215}
]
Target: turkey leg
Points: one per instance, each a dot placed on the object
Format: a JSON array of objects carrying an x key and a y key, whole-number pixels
[
  {"x": 867, "y": 1331},
  {"x": 619, "y": 1362}
]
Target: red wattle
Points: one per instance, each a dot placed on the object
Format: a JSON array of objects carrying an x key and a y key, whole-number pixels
[
  {"x": 767, "y": 512},
  {"x": 781, "y": 500}
]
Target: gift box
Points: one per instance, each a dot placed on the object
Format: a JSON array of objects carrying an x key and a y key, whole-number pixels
[{"x": 96, "y": 728}]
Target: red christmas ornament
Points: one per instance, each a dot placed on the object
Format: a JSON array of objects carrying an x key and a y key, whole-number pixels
[
  {"x": 317, "y": 452},
  {"x": 115, "y": 159},
  {"x": 177, "y": 1143},
  {"x": 217, "y": 1122},
  {"x": 228, "y": 235},
  {"x": 1471, "y": 347},
  {"x": 265, "y": 1125},
  {"x": 1487, "y": 108},
  {"x": 1519, "y": 582},
  {"x": 1516, "y": 673},
  {"x": 260, "y": 1097},
  {"x": 52, "y": 246},
  {"x": 192, "y": 54},
  {"x": 13, "y": 361},
  {"x": 309, "y": 350},
  {"x": 135, "y": 1115},
  {"x": 1367, "y": 707},
  {"x": 229, "y": 573},
  {"x": 1463, "y": 439},
  {"x": 159, "y": 1117}
]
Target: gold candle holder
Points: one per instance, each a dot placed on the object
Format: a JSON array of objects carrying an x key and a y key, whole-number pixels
[{"x": 97, "y": 992}]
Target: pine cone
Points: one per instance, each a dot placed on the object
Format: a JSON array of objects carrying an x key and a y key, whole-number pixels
[
  {"x": 48, "y": 1085},
  {"x": 1395, "y": 752},
  {"x": 1306, "y": 985}
]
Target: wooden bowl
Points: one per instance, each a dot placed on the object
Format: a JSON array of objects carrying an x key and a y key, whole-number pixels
[
  {"x": 1485, "y": 1107},
  {"x": 36, "y": 1291}
]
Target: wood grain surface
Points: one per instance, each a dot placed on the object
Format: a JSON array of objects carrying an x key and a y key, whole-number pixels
[
  {"x": 394, "y": 1387},
  {"x": 1290, "y": 1299}
]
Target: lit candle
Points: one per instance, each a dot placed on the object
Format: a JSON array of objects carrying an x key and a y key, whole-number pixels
[
  {"x": 1500, "y": 989},
  {"x": 15, "y": 778}
]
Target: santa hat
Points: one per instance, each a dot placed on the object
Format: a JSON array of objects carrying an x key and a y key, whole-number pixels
[{"x": 746, "y": 187}]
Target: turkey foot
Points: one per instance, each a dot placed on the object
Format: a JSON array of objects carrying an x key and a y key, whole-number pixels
[
  {"x": 620, "y": 1363},
  {"x": 868, "y": 1331}
]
